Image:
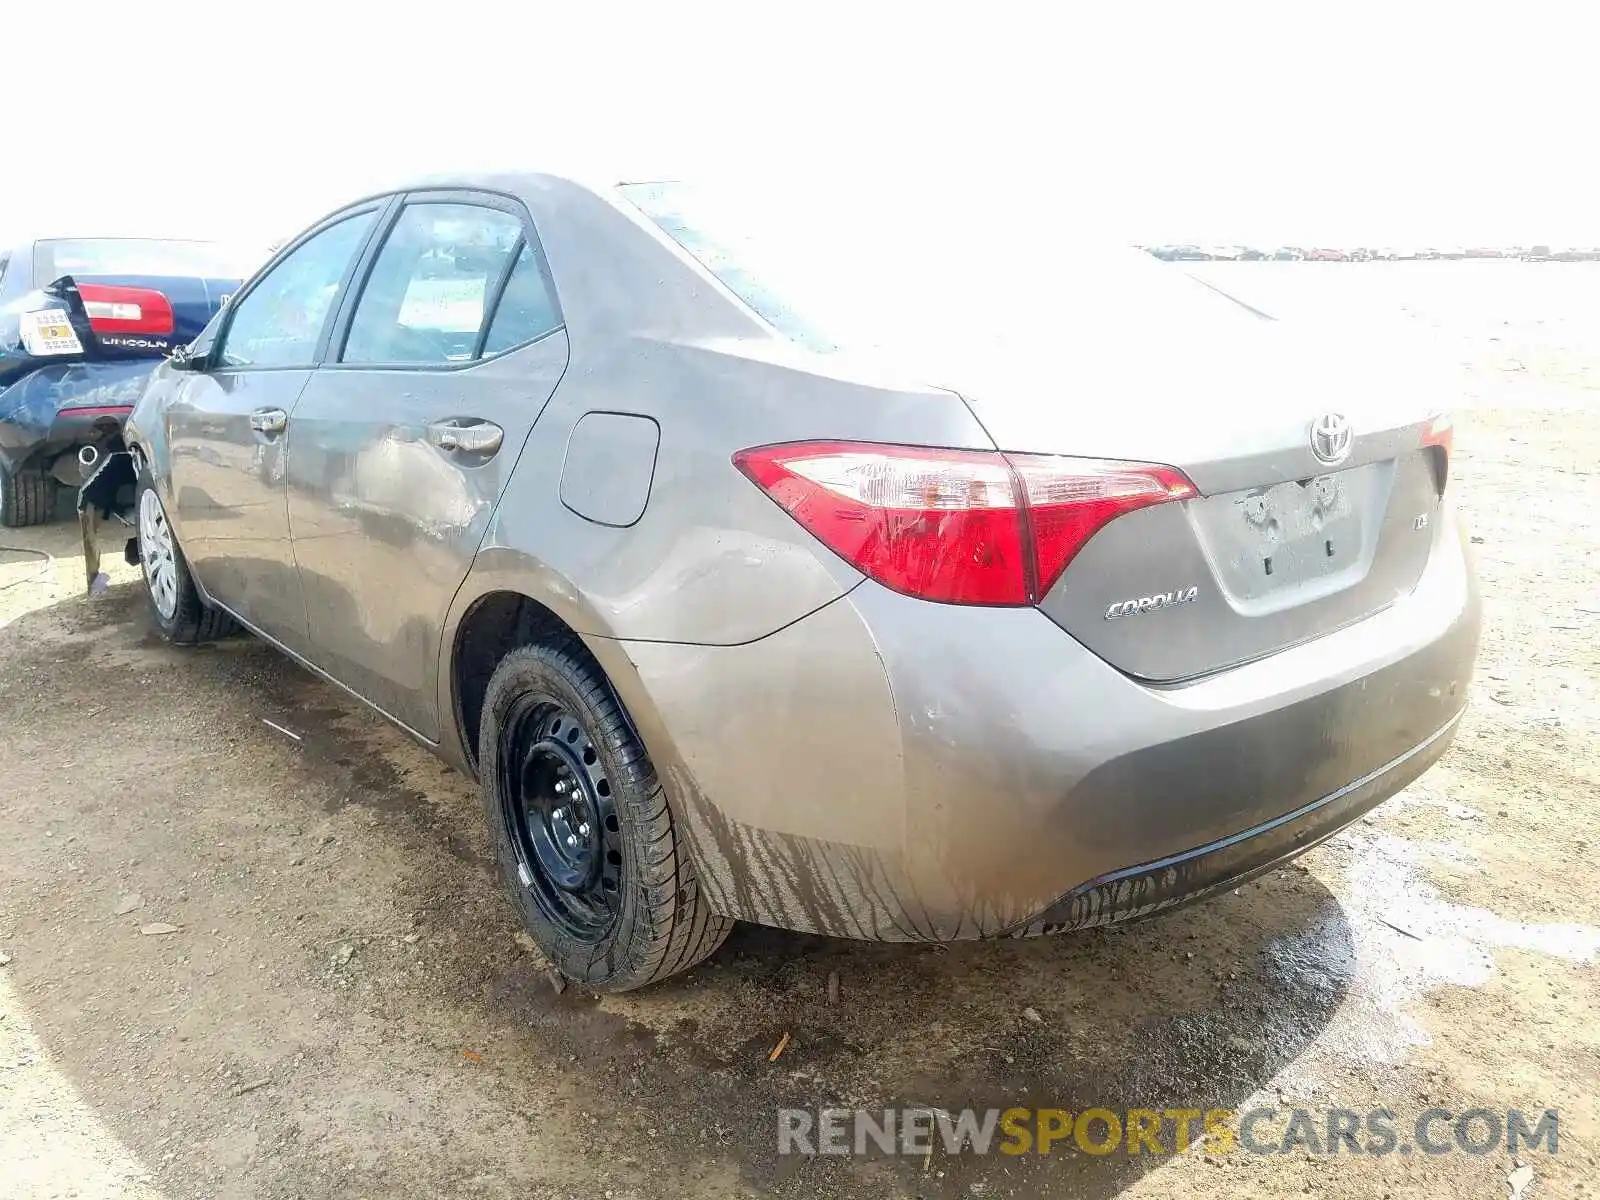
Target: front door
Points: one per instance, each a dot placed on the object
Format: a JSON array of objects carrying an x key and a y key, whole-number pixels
[
  {"x": 402, "y": 442},
  {"x": 226, "y": 428}
]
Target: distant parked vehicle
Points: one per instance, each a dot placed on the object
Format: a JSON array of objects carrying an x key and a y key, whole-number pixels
[
  {"x": 1288, "y": 254},
  {"x": 82, "y": 323},
  {"x": 1561, "y": 254},
  {"x": 1326, "y": 255},
  {"x": 1179, "y": 253}
]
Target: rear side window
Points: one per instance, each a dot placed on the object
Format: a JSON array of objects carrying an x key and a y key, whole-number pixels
[
  {"x": 279, "y": 323},
  {"x": 4, "y": 260},
  {"x": 527, "y": 309},
  {"x": 425, "y": 301}
]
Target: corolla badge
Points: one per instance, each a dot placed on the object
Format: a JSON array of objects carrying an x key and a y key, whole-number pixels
[
  {"x": 1144, "y": 604},
  {"x": 1331, "y": 436}
]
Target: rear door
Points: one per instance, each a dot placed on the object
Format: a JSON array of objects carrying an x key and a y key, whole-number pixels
[
  {"x": 402, "y": 442},
  {"x": 226, "y": 427}
]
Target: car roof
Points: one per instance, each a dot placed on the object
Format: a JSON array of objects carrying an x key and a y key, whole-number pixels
[
  {"x": 57, "y": 236},
  {"x": 566, "y": 209},
  {"x": 516, "y": 182}
]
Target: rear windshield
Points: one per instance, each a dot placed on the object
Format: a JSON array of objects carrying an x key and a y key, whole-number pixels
[
  {"x": 751, "y": 259},
  {"x": 139, "y": 256},
  {"x": 853, "y": 267}
]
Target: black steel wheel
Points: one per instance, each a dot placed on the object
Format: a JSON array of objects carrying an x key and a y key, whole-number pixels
[
  {"x": 587, "y": 844},
  {"x": 561, "y": 818}
]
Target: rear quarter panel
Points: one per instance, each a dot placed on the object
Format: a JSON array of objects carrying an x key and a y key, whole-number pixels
[
  {"x": 711, "y": 560},
  {"x": 146, "y": 427}
]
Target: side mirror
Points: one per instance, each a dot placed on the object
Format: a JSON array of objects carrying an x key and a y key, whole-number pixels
[{"x": 183, "y": 359}]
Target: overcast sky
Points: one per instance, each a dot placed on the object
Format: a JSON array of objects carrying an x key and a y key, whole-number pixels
[{"x": 1337, "y": 123}]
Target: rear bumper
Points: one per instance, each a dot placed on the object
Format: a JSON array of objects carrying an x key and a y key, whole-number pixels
[
  {"x": 70, "y": 430},
  {"x": 1195, "y": 874},
  {"x": 893, "y": 769},
  {"x": 60, "y": 407},
  {"x": 88, "y": 425}
]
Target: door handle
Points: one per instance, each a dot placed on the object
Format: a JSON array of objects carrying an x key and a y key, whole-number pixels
[
  {"x": 269, "y": 420},
  {"x": 466, "y": 436}
]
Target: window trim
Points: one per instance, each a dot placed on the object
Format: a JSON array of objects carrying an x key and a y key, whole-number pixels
[
  {"x": 491, "y": 299},
  {"x": 478, "y": 198},
  {"x": 381, "y": 205}
]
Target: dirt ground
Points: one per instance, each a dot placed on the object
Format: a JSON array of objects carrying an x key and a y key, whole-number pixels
[{"x": 344, "y": 1009}]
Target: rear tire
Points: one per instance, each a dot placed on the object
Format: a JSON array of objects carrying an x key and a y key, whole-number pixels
[
  {"x": 585, "y": 840},
  {"x": 182, "y": 617},
  {"x": 27, "y": 497}
]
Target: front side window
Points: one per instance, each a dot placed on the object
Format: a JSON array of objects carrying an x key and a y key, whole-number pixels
[
  {"x": 280, "y": 322},
  {"x": 425, "y": 302}
]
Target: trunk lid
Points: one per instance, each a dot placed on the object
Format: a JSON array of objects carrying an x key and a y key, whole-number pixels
[
  {"x": 1280, "y": 546},
  {"x": 194, "y": 302}
]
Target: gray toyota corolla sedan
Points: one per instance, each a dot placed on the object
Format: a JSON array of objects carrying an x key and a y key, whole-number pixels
[{"x": 833, "y": 562}]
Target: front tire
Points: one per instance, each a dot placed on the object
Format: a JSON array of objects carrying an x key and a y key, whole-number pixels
[
  {"x": 27, "y": 497},
  {"x": 175, "y": 604},
  {"x": 581, "y": 829}
]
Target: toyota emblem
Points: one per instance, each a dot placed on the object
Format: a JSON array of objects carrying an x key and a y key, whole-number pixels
[{"x": 1330, "y": 438}]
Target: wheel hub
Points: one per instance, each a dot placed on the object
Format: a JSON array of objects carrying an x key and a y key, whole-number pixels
[
  {"x": 560, "y": 814},
  {"x": 156, "y": 554}
]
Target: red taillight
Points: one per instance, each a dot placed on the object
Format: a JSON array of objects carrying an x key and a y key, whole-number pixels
[
  {"x": 113, "y": 308},
  {"x": 1070, "y": 499},
  {"x": 957, "y": 526},
  {"x": 1440, "y": 437},
  {"x": 1441, "y": 432}
]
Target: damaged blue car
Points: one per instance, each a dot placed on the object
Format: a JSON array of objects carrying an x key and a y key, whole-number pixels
[{"x": 83, "y": 322}]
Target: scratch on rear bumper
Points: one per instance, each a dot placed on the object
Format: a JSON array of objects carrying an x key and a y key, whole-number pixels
[{"x": 1152, "y": 887}]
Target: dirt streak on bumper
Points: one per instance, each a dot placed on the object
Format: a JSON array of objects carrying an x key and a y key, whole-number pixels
[{"x": 1183, "y": 878}]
